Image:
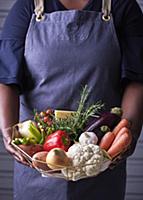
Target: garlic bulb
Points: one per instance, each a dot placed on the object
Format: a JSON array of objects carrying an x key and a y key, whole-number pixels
[{"x": 88, "y": 138}]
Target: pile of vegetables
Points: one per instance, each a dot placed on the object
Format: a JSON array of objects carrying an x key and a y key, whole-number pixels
[{"x": 79, "y": 143}]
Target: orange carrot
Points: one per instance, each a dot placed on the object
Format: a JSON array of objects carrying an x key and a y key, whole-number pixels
[
  {"x": 121, "y": 144},
  {"x": 121, "y": 132},
  {"x": 120, "y": 125},
  {"x": 107, "y": 140}
]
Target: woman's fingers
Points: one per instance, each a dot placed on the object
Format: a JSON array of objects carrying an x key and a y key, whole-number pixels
[
  {"x": 7, "y": 138},
  {"x": 17, "y": 155}
]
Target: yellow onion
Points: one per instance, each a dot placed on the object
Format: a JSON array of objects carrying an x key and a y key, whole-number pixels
[{"x": 57, "y": 159}]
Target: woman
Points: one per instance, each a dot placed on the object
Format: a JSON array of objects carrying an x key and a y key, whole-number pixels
[{"x": 47, "y": 56}]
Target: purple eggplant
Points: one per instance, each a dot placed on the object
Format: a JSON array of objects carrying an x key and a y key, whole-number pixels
[{"x": 107, "y": 121}]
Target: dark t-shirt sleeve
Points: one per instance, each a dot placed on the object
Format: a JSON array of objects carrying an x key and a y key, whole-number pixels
[
  {"x": 131, "y": 39},
  {"x": 12, "y": 43},
  {"x": 11, "y": 62},
  {"x": 18, "y": 19}
]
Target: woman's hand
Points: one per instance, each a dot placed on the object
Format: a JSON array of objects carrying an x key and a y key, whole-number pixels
[
  {"x": 7, "y": 138},
  {"x": 132, "y": 107},
  {"x": 9, "y": 115}
]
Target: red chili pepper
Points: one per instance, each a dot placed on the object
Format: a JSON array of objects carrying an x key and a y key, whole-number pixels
[{"x": 58, "y": 139}]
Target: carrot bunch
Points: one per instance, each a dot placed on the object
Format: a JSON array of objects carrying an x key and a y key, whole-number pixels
[{"x": 118, "y": 140}]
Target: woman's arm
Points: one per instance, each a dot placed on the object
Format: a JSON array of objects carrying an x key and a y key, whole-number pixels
[
  {"x": 132, "y": 105},
  {"x": 9, "y": 115},
  {"x": 11, "y": 68}
]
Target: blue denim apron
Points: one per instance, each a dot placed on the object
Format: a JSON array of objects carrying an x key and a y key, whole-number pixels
[{"x": 64, "y": 50}]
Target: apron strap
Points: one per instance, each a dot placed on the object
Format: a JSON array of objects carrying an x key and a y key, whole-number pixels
[
  {"x": 39, "y": 9},
  {"x": 106, "y": 9}
]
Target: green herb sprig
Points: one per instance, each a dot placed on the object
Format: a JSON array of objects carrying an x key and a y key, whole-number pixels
[{"x": 75, "y": 124}]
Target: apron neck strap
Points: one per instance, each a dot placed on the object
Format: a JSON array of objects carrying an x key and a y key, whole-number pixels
[
  {"x": 39, "y": 9},
  {"x": 106, "y": 9}
]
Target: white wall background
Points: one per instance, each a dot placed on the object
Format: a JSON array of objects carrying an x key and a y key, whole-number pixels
[{"x": 135, "y": 162}]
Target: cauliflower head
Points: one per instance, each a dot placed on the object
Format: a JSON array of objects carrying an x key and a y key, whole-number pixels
[{"x": 87, "y": 160}]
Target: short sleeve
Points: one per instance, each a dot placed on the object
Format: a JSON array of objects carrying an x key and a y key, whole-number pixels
[
  {"x": 131, "y": 40},
  {"x": 11, "y": 62},
  {"x": 13, "y": 41}
]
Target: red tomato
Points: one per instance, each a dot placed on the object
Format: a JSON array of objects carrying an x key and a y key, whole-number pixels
[{"x": 58, "y": 139}]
